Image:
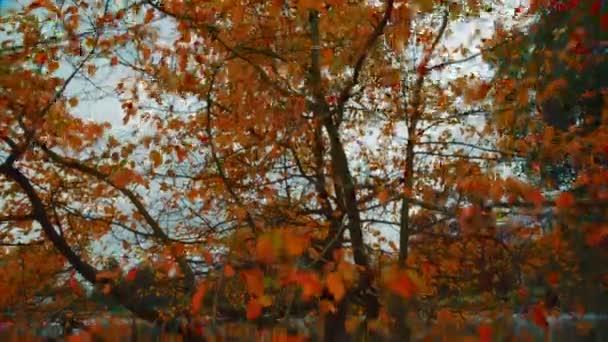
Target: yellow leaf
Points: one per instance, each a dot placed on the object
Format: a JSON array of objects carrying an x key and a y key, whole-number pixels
[
  {"x": 335, "y": 285},
  {"x": 265, "y": 301},
  {"x": 424, "y": 5}
]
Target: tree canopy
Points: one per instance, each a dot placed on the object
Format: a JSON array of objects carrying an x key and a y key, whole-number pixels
[{"x": 339, "y": 162}]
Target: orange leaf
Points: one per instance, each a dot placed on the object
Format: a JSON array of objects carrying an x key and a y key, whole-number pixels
[
  {"x": 197, "y": 298},
  {"x": 228, "y": 271},
  {"x": 52, "y": 66},
  {"x": 123, "y": 177},
  {"x": 402, "y": 285},
  {"x": 254, "y": 309},
  {"x": 295, "y": 245},
  {"x": 265, "y": 249},
  {"x": 326, "y": 306},
  {"x": 384, "y": 196},
  {"x": 40, "y": 58},
  {"x": 351, "y": 324},
  {"x": 207, "y": 256},
  {"x": 109, "y": 275},
  {"x": 310, "y": 283},
  {"x": 114, "y": 61},
  {"x": 255, "y": 281},
  {"x": 335, "y": 285},
  {"x": 149, "y": 16},
  {"x": 156, "y": 158},
  {"x": 73, "y": 101}
]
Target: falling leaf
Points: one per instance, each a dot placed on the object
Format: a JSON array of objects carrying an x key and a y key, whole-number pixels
[
  {"x": 228, "y": 271},
  {"x": 384, "y": 196},
  {"x": 535, "y": 196},
  {"x": 265, "y": 301},
  {"x": 73, "y": 101},
  {"x": 553, "y": 278},
  {"x": 254, "y": 280},
  {"x": 351, "y": 324},
  {"x": 310, "y": 283},
  {"x": 40, "y": 58},
  {"x": 265, "y": 250},
  {"x": 197, "y": 298},
  {"x": 295, "y": 244},
  {"x": 122, "y": 178},
  {"x": 539, "y": 317},
  {"x": 149, "y": 16},
  {"x": 132, "y": 274},
  {"x": 91, "y": 69},
  {"x": 254, "y": 309},
  {"x": 565, "y": 200},
  {"x": 485, "y": 333},
  {"x": 596, "y": 235},
  {"x": 400, "y": 283},
  {"x": 335, "y": 285},
  {"x": 114, "y": 61},
  {"x": 52, "y": 66}
]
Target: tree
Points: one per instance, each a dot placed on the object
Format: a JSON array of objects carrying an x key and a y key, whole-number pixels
[
  {"x": 254, "y": 193},
  {"x": 552, "y": 97}
]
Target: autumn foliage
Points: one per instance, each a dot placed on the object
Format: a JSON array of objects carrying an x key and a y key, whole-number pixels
[{"x": 337, "y": 164}]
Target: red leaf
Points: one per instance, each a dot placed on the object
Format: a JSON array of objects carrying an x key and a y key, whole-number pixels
[
  {"x": 539, "y": 317},
  {"x": 565, "y": 200},
  {"x": 75, "y": 286},
  {"x": 254, "y": 309},
  {"x": 553, "y": 278},
  {"x": 485, "y": 333},
  {"x": 40, "y": 58},
  {"x": 535, "y": 196},
  {"x": 132, "y": 274},
  {"x": 596, "y": 8}
]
